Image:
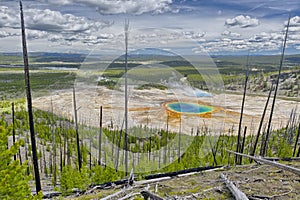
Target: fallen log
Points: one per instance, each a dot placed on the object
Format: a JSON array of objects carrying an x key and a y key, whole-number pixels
[
  {"x": 129, "y": 196},
  {"x": 268, "y": 162},
  {"x": 185, "y": 171},
  {"x": 107, "y": 185},
  {"x": 149, "y": 195},
  {"x": 282, "y": 159},
  {"x": 119, "y": 193},
  {"x": 51, "y": 194},
  {"x": 144, "y": 182},
  {"x": 239, "y": 195}
]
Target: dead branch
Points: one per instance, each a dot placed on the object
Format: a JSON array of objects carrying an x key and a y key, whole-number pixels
[
  {"x": 273, "y": 196},
  {"x": 119, "y": 193},
  {"x": 273, "y": 163},
  {"x": 239, "y": 195}
]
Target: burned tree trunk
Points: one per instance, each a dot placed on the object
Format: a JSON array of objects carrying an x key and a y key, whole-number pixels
[
  {"x": 13, "y": 124},
  {"x": 126, "y": 97},
  {"x": 29, "y": 105},
  {"x": 53, "y": 146},
  {"x": 265, "y": 145},
  {"x": 76, "y": 129},
  {"x": 261, "y": 122},
  {"x": 100, "y": 137},
  {"x": 296, "y": 142},
  {"x": 243, "y": 145},
  {"x": 238, "y": 145}
]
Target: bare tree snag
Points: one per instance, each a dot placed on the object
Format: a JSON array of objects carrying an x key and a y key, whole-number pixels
[
  {"x": 265, "y": 146},
  {"x": 76, "y": 129},
  {"x": 29, "y": 105},
  {"x": 100, "y": 137},
  {"x": 126, "y": 96}
]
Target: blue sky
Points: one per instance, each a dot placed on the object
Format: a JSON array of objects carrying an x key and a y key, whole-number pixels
[{"x": 213, "y": 26}]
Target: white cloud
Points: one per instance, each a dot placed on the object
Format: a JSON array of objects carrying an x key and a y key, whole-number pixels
[
  {"x": 4, "y": 34},
  {"x": 8, "y": 18},
  {"x": 242, "y": 21},
  {"x": 294, "y": 21},
  {"x": 34, "y": 34},
  {"x": 135, "y": 7},
  {"x": 60, "y": 2},
  {"x": 52, "y": 26},
  {"x": 263, "y": 37},
  {"x": 50, "y": 21},
  {"x": 192, "y": 34},
  {"x": 55, "y": 38},
  {"x": 228, "y": 33},
  {"x": 53, "y": 21}
]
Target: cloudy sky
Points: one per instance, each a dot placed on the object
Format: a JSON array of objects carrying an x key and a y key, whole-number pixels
[{"x": 213, "y": 26}]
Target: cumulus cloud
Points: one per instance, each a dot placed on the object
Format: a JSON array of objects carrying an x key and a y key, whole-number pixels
[
  {"x": 242, "y": 21},
  {"x": 53, "y": 21},
  {"x": 135, "y": 7},
  {"x": 50, "y": 21},
  {"x": 53, "y": 26},
  {"x": 258, "y": 42},
  {"x": 34, "y": 34},
  {"x": 192, "y": 35},
  {"x": 8, "y": 18},
  {"x": 4, "y": 34},
  {"x": 55, "y": 38},
  {"x": 228, "y": 33},
  {"x": 263, "y": 37},
  {"x": 294, "y": 22},
  {"x": 294, "y": 27}
]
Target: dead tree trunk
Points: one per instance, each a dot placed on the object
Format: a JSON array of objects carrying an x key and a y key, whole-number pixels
[
  {"x": 239, "y": 195},
  {"x": 296, "y": 142},
  {"x": 60, "y": 146},
  {"x": 100, "y": 137},
  {"x": 265, "y": 146},
  {"x": 76, "y": 129},
  {"x": 29, "y": 105},
  {"x": 243, "y": 144},
  {"x": 126, "y": 97},
  {"x": 65, "y": 136},
  {"x": 261, "y": 122},
  {"x": 179, "y": 140},
  {"x": 272, "y": 163},
  {"x": 44, "y": 162},
  {"x": 213, "y": 150},
  {"x": 53, "y": 147},
  {"x": 13, "y": 124},
  {"x": 238, "y": 145}
]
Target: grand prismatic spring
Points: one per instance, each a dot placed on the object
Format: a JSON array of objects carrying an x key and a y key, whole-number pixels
[{"x": 188, "y": 108}]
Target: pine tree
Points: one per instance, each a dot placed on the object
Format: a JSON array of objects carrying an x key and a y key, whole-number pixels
[{"x": 13, "y": 178}]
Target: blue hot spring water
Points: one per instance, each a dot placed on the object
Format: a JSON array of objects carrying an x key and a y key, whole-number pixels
[{"x": 188, "y": 108}]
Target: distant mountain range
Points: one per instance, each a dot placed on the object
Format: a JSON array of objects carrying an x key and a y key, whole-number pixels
[{"x": 153, "y": 54}]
